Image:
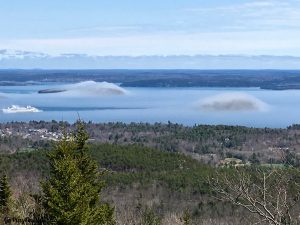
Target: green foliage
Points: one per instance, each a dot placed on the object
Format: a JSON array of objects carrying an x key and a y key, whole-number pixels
[
  {"x": 5, "y": 195},
  {"x": 136, "y": 164},
  {"x": 125, "y": 164},
  {"x": 150, "y": 218},
  {"x": 36, "y": 162},
  {"x": 73, "y": 188},
  {"x": 186, "y": 218},
  {"x": 254, "y": 159}
]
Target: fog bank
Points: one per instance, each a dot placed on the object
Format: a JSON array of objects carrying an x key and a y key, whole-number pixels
[
  {"x": 88, "y": 88},
  {"x": 231, "y": 102}
]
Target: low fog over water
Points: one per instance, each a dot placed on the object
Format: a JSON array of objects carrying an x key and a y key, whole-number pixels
[
  {"x": 232, "y": 101},
  {"x": 87, "y": 88},
  {"x": 104, "y": 102}
]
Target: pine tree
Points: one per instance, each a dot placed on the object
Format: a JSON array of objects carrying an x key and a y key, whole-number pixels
[
  {"x": 87, "y": 166},
  {"x": 5, "y": 195},
  {"x": 73, "y": 190}
]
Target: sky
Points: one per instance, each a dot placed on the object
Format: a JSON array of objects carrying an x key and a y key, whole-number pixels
[{"x": 152, "y": 27}]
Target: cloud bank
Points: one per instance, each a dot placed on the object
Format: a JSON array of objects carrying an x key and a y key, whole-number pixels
[
  {"x": 88, "y": 88},
  {"x": 231, "y": 102},
  {"x": 32, "y": 60},
  {"x": 211, "y": 43}
]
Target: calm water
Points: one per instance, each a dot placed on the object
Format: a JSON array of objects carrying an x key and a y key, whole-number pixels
[{"x": 151, "y": 105}]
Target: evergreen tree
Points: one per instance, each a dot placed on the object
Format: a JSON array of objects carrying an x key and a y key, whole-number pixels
[
  {"x": 73, "y": 190},
  {"x": 87, "y": 166},
  {"x": 5, "y": 195},
  {"x": 253, "y": 159}
]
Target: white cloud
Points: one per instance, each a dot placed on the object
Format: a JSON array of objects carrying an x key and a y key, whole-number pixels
[
  {"x": 251, "y": 5},
  {"x": 256, "y": 15},
  {"x": 87, "y": 88},
  {"x": 108, "y": 29},
  {"x": 268, "y": 27},
  {"x": 235, "y": 101},
  {"x": 267, "y": 4},
  {"x": 252, "y": 43}
]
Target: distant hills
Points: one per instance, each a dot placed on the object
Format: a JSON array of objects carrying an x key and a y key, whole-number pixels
[
  {"x": 264, "y": 79},
  {"x": 16, "y": 59}
]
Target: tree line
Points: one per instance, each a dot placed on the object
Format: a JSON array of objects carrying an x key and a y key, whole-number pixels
[{"x": 73, "y": 182}]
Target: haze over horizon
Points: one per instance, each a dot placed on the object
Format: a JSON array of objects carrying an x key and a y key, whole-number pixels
[
  {"x": 132, "y": 34},
  {"x": 34, "y": 60},
  {"x": 170, "y": 27}
]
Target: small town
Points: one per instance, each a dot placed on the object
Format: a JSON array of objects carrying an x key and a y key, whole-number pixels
[{"x": 33, "y": 134}]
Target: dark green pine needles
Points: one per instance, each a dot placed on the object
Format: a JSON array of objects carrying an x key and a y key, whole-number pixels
[
  {"x": 73, "y": 190},
  {"x": 5, "y": 195}
]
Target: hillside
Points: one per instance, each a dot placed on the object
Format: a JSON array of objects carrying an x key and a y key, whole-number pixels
[
  {"x": 208, "y": 144},
  {"x": 141, "y": 182}
]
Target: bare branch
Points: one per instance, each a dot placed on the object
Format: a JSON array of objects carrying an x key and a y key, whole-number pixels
[{"x": 266, "y": 193}]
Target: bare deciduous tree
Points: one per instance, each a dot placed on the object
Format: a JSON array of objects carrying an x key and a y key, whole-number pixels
[{"x": 272, "y": 195}]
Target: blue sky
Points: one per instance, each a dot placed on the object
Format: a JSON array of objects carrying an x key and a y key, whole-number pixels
[{"x": 156, "y": 27}]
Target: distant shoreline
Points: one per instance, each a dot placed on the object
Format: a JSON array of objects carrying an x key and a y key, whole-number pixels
[{"x": 264, "y": 79}]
